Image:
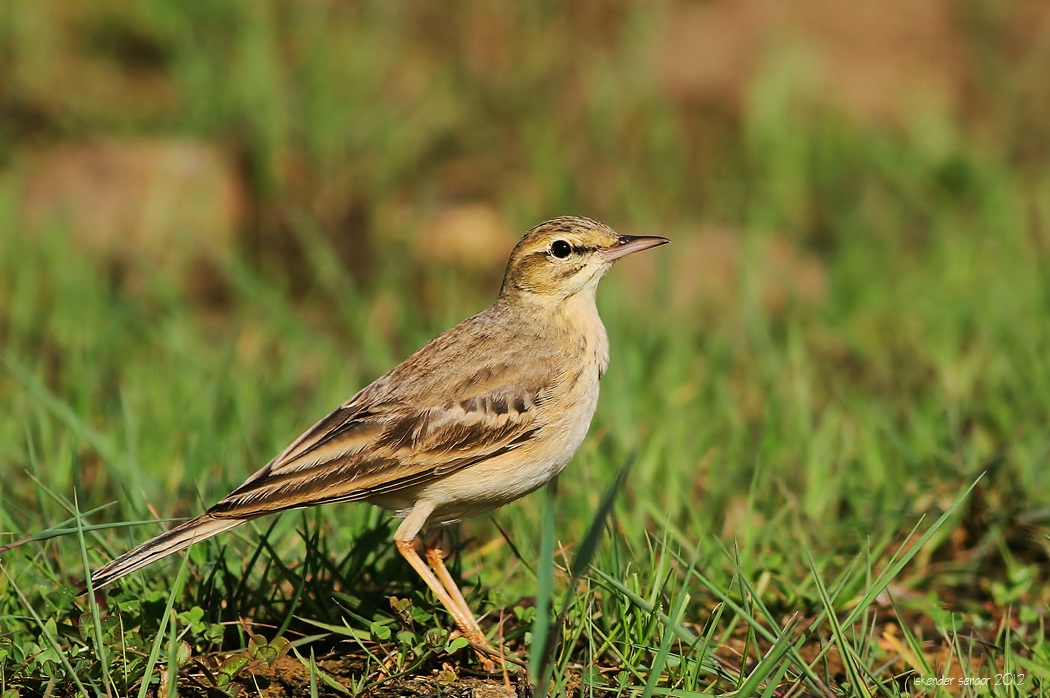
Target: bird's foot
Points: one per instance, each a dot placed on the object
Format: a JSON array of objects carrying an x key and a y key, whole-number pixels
[{"x": 491, "y": 659}]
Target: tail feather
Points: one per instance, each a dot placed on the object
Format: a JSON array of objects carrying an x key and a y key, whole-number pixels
[{"x": 182, "y": 536}]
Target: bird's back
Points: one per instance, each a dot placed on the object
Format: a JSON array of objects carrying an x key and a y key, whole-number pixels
[{"x": 467, "y": 396}]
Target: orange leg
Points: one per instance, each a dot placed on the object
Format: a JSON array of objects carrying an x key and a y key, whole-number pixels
[
  {"x": 450, "y": 597},
  {"x": 436, "y": 557}
]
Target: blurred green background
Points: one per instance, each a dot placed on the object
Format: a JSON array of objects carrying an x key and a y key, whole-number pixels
[
  {"x": 437, "y": 132},
  {"x": 218, "y": 219}
]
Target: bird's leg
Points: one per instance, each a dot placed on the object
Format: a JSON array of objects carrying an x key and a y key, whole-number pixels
[
  {"x": 407, "y": 548},
  {"x": 436, "y": 549},
  {"x": 436, "y": 553},
  {"x": 406, "y": 537}
]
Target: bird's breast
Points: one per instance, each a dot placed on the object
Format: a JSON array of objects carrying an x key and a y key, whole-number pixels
[{"x": 561, "y": 413}]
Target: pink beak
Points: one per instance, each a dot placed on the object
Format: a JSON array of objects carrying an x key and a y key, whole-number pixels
[{"x": 629, "y": 244}]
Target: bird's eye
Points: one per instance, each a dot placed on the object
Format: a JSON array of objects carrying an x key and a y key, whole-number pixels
[{"x": 561, "y": 249}]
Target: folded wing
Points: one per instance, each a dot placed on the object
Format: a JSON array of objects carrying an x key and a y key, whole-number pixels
[{"x": 358, "y": 452}]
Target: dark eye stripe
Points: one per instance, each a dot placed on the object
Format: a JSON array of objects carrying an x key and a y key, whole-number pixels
[{"x": 576, "y": 249}]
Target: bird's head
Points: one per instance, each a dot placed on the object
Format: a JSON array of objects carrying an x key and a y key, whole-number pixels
[{"x": 563, "y": 256}]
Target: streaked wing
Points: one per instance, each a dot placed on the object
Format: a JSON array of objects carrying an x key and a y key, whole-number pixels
[{"x": 370, "y": 447}]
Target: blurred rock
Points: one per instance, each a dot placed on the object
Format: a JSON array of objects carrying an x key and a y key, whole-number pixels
[
  {"x": 708, "y": 271},
  {"x": 789, "y": 276},
  {"x": 877, "y": 61},
  {"x": 472, "y": 236},
  {"x": 157, "y": 206}
]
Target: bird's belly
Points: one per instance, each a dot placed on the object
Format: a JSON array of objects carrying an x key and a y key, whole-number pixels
[{"x": 490, "y": 484}]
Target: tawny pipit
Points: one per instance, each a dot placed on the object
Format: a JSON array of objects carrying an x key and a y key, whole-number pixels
[{"x": 485, "y": 413}]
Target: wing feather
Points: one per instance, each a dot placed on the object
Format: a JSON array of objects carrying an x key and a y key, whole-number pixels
[
  {"x": 353, "y": 455},
  {"x": 425, "y": 419}
]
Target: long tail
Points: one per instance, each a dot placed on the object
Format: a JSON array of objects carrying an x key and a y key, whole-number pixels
[{"x": 182, "y": 536}]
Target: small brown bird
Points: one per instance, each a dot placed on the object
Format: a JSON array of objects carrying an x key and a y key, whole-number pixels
[{"x": 483, "y": 414}]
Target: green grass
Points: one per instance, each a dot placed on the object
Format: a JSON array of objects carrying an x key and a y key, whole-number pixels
[{"x": 838, "y": 496}]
